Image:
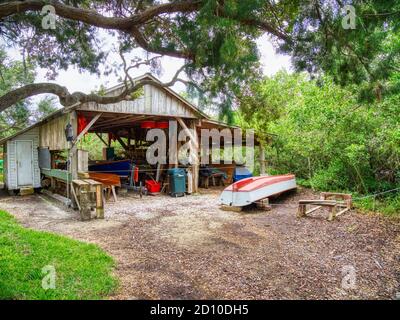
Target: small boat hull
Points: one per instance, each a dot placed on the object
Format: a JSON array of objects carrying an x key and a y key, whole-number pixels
[
  {"x": 250, "y": 190},
  {"x": 121, "y": 167}
]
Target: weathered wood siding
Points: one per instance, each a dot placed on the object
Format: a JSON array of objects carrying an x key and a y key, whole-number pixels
[
  {"x": 5, "y": 165},
  {"x": 11, "y": 176},
  {"x": 154, "y": 101},
  {"x": 52, "y": 134}
]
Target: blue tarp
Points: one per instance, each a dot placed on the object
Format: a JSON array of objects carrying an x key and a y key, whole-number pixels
[{"x": 241, "y": 173}]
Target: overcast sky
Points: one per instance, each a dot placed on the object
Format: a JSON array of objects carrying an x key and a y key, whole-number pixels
[{"x": 85, "y": 82}]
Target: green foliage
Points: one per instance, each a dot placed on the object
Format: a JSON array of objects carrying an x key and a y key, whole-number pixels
[
  {"x": 12, "y": 75},
  {"x": 91, "y": 143},
  {"x": 217, "y": 40},
  {"x": 223, "y": 54},
  {"x": 389, "y": 205},
  {"x": 83, "y": 271},
  {"x": 319, "y": 131},
  {"x": 45, "y": 107},
  {"x": 366, "y": 56}
]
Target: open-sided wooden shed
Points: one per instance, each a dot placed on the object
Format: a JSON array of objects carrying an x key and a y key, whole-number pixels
[{"x": 119, "y": 121}]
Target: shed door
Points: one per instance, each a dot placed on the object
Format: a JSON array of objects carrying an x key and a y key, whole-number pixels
[{"x": 24, "y": 163}]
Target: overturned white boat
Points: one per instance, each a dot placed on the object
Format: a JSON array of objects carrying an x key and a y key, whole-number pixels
[{"x": 249, "y": 190}]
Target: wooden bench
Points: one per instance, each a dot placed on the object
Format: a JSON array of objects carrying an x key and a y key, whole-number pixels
[
  {"x": 340, "y": 200},
  {"x": 88, "y": 194},
  {"x": 206, "y": 180}
]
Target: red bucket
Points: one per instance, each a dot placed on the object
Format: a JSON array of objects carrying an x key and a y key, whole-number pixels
[{"x": 153, "y": 186}]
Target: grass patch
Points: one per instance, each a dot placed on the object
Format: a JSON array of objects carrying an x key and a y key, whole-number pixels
[
  {"x": 389, "y": 206},
  {"x": 83, "y": 271}
]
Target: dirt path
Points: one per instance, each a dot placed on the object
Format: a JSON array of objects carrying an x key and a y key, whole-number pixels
[{"x": 187, "y": 248}]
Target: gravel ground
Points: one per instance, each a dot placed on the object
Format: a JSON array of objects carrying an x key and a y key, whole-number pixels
[{"x": 187, "y": 248}]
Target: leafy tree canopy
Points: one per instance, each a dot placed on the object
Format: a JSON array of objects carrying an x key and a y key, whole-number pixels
[
  {"x": 359, "y": 46},
  {"x": 214, "y": 38},
  {"x": 14, "y": 74},
  {"x": 321, "y": 132}
]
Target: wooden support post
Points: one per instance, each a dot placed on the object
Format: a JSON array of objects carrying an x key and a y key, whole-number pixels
[
  {"x": 73, "y": 155},
  {"x": 52, "y": 184},
  {"x": 196, "y": 162},
  {"x": 85, "y": 204},
  {"x": 173, "y": 144},
  {"x": 114, "y": 193},
  {"x": 195, "y": 150},
  {"x": 263, "y": 204},
  {"x": 158, "y": 173},
  {"x": 190, "y": 181},
  {"x": 82, "y": 198},
  {"x": 301, "y": 211},
  {"x": 332, "y": 213},
  {"x": 262, "y": 159},
  {"x": 99, "y": 202}
]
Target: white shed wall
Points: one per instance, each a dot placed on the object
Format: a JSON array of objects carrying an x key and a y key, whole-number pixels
[{"x": 10, "y": 176}]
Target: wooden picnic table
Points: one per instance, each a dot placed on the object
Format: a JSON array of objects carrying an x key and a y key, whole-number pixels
[{"x": 331, "y": 200}]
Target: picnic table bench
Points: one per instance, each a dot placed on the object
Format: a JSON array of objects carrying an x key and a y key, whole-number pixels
[{"x": 331, "y": 200}]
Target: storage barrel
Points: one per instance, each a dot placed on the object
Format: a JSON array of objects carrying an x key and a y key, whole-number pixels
[{"x": 177, "y": 182}]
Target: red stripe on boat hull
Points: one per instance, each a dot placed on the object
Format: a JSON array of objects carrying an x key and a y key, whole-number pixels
[{"x": 254, "y": 183}]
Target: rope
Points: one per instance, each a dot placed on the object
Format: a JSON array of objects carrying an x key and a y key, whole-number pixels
[{"x": 375, "y": 194}]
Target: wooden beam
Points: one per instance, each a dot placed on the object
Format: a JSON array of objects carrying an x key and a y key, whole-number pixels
[
  {"x": 75, "y": 196},
  {"x": 58, "y": 197},
  {"x": 188, "y": 132},
  {"x": 111, "y": 120},
  {"x": 59, "y": 174},
  {"x": 342, "y": 211},
  {"x": 86, "y": 129},
  {"x": 117, "y": 122},
  {"x": 313, "y": 209},
  {"x": 101, "y": 138},
  {"x": 319, "y": 202},
  {"x": 122, "y": 143}
]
